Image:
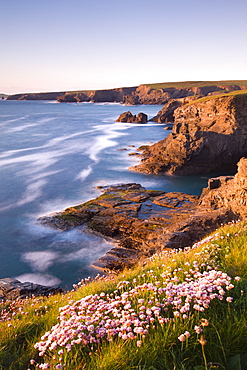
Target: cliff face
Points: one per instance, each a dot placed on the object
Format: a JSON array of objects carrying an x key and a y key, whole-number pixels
[
  {"x": 36, "y": 96},
  {"x": 142, "y": 94},
  {"x": 207, "y": 136},
  {"x": 166, "y": 114},
  {"x": 228, "y": 192}
]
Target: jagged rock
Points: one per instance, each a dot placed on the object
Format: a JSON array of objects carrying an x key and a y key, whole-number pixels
[
  {"x": 130, "y": 118},
  {"x": 208, "y": 135},
  {"x": 166, "y": 114},
  {"x": 13, "y": 289},
  {"x": 228, "y": 192}
]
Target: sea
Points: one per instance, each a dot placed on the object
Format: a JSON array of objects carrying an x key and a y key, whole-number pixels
[{"x": 53, "y": 156}]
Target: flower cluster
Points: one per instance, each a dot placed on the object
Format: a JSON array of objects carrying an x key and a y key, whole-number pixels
[
  {"x": 14, "y": 309},
  {"x": 98, "y": 277},
  {"x": 133, "y": 309}
]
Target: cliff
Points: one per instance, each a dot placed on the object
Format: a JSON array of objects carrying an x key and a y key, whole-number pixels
[
  {"x": 228, "y": 192},
  {"x": 208, "y": 135},
  {"x": 143, "y": 94},
  {"x": 36, "y": 96}
]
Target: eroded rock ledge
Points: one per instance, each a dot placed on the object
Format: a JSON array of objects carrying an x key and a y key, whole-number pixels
[{"x": 143, "y": 222}]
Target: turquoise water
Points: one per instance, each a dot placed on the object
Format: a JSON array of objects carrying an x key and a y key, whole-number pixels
[{"x": 53, "y": 156}]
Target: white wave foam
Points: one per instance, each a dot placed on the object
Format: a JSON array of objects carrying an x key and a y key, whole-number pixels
[
  {"x": 95, "y": 249},
  {"x": 21, "y": 128},
  {"x": 33, "y": 191},
  {"x": 84, "y": 173},
  {"x": 42, "y": 279},
  {"x": 16, "y": 119},
  {"x": 40, "y": 260}
]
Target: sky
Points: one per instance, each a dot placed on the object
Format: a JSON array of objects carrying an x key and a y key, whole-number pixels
[{"x": 57, "y": 45}]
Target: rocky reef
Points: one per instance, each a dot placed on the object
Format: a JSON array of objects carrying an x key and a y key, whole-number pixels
[
  {"x": 130, "y": 118},
  {"x": 142, "y": 222},
  {"x": 209, "y": 134}
]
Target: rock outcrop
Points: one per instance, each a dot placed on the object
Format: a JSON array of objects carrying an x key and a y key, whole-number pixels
[
  {"x": 228, "y": 192},
  {"x": 208, "y": 135},
  {"x": 166, "y": 114},
  {"x": 141, "y": 222},
  {"x": 130, "y": 118},
  {"x": 14, "y": 289}
]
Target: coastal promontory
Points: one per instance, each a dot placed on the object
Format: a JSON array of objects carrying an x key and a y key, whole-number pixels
[{"x": 209, "y": 134}]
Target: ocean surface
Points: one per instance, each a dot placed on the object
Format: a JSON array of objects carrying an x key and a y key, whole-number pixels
[{"x": 53, "y": 156}]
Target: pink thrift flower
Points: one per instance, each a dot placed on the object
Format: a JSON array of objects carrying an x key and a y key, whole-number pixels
[{"x": 182, "y": 338}]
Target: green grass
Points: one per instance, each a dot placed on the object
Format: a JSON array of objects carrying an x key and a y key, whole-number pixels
[
  {"x": 191, "y": 84},
  {"x": 212, "y": 97},
  {"x": 225, "y": 334}
]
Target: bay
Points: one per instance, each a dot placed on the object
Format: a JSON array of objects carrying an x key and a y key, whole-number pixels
[{"x": 53, "y": 156}]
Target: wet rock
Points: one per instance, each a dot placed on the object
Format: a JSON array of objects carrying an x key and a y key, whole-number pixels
[
  {"x": 141, "y": 222},
  {"x": 130, "y": 118},
  {"x": 14, "y": 289}
]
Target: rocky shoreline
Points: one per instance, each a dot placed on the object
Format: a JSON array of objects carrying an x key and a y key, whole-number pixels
[
  {"x": 142, "y": 222},
  {"x": 209, "y": 134}
]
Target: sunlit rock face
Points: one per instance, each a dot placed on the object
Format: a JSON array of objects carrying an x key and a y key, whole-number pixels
[
  {"x": 228, "y": 192},
  {"x": 207, "y": 136}
]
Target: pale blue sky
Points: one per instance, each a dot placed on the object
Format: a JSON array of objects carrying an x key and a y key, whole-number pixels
[{"x": 56, "y": 45}]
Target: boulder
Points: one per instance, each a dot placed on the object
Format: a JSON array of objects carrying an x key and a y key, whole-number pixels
[
  {"x": 130, "y": 118},
  {"x": 208, "y": 135},
  {"x": 14, "y": 289}
]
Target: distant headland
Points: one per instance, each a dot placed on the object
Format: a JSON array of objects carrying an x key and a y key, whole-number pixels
[{"x": 158, "y": 93}]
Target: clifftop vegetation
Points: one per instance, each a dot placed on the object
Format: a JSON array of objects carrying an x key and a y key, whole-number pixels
[
  {"x": 212, "y": 97},
  {"x": 192, "y": 84}
]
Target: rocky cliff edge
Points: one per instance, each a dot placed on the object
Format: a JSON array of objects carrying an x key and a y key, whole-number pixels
[{"x": 208, "y": 135}]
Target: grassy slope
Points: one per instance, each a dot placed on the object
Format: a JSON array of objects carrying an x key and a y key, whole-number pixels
[
  {"x": 183, "y": 84},
  {"x": 212, "y": 97},
  {"x": 23, "y": 323},
  {"x": 191, "y": 84}
]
